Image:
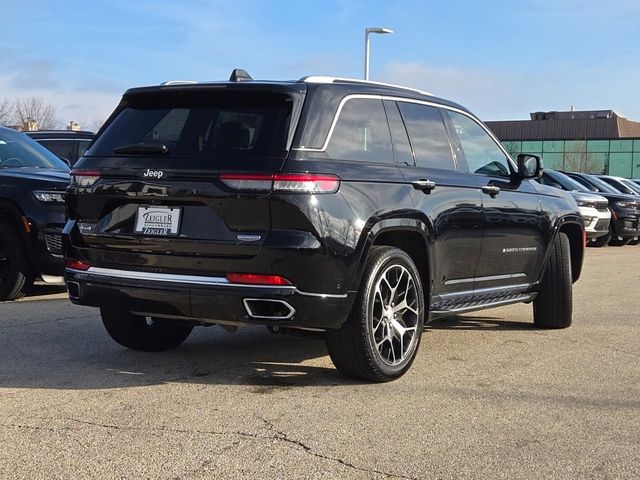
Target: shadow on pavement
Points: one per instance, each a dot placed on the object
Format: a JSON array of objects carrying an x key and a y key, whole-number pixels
[
  {"x": 478, "y": 323},
  {"x": 76, "y": 353},
  {"x": 44, "y": 290}
]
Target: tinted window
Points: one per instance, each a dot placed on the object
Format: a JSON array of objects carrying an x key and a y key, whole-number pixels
[
  {"x": 61, "y": 148},
  {"x": 618, "y": 185},
  {"x": 550, "y": 177},
  {"x": 83, "y": 146},
  {"x": 17, "y": 150},
  {"x": 212, "y": 125},
  {"x": 401, "y": 147},
  {"x": 480, "y": 150},
  {"x": 428, "y": 136},
  {"x": 361, "y": 133},
  {"x": 584, "y": 183}
]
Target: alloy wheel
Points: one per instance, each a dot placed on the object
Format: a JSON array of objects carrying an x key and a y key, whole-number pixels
[{"x": 394, "y": 315}]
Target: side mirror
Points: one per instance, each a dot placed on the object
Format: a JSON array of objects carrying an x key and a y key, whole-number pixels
[{"x": 529, "y": 166}]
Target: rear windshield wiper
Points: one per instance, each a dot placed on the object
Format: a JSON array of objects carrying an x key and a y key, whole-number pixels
[{"x": 142, "y": 149}]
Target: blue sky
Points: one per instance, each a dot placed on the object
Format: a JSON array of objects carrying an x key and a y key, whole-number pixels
[{"x": 502, "y": 59}]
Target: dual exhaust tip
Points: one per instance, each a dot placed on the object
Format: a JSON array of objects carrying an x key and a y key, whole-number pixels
[{"x": 268, "y": 309}]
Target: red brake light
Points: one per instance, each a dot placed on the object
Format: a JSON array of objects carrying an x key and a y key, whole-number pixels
[
  {"x": 283, "y": 182},
  {"x": 256, "y": 279},
  {"x": 84, "y": 178},
  {"x": 77, "y": 264}
]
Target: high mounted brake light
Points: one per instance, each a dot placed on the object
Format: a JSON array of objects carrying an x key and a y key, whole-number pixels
[
  {"x": 283, "y": 182},
  {"x": 84, "y": 178}
]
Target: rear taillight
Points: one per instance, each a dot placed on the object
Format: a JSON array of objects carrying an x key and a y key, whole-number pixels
[
  {"x": 84, "y": 178},
  {"x": 305, "y": 183},
  {"x": 256, "y": 279},
  {"x": 247, "y": 181},
  {"x": 283, "y": 182},
  {"x": 74, "y": 264}
]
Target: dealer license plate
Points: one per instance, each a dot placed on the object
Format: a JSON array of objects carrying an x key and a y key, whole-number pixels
[{"x": 161, "y": 221}]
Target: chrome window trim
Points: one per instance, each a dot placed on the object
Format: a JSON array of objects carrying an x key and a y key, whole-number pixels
[
  {"x": 407, "y": 100},
  {"x": 192, "y": 280}
]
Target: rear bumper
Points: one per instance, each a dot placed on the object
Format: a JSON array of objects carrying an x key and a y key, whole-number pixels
[{"x": 204, "y": 299}]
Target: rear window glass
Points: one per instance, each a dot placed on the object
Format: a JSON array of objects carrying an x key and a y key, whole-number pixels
[{"x": 209, "y": 125}]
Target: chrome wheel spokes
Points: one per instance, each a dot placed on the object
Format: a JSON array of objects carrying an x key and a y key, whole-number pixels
[{"x": 394, "y": 316}]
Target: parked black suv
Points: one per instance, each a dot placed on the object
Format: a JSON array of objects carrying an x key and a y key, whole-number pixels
[
  {"x": 69, "y": 145},
  {"x": 362, "y": 210},
  {"x": 32, "y": 190},
  {"x": 625, "y": 209}
]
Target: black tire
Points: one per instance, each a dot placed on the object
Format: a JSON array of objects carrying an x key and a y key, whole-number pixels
[
  {"x": 135, "y": 332},
  {"x": 600, "y": 241},
  {"x": 553, "y": 306},
  {"x": 16, "y": 273},
  {"x": 352, "y": 348}
]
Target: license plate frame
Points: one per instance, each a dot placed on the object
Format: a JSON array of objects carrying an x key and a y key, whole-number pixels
[{"x": 158, "y": 221}]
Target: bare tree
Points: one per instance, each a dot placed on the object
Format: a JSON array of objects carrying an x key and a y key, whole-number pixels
[
  {"x": 578, "y": 159},
  {"x": 6, "y": 111},
  {"x": 513, "y": 148},
  {"x": 95, "y": 124},
  {"x": 33, "y": 111}
]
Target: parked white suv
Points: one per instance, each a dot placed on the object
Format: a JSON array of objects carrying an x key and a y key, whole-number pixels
[{"x": 593, "y": 208}]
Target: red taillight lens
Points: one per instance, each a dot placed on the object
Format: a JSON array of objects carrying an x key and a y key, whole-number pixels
[
  {"x": 255, "y": 279},
  {"x": 84, "y": 178},
  {"x": 283, "y": 182},
  {"x": 305, "y": 183},
  {"x": 77, "y": 264}
]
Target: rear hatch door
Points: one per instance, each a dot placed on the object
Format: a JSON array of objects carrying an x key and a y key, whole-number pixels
[{"x": 159, "y": 161}]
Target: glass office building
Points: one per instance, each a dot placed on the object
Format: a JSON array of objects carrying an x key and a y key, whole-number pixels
[{"x": 592, "y": 141}]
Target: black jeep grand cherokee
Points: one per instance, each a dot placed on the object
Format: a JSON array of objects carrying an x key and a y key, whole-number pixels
[{"x": 362, "y": 210}]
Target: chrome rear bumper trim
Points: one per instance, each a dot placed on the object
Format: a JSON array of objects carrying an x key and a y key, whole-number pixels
[{"x": 192, "y": 280}]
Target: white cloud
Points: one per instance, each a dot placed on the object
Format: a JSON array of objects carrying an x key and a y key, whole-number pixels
[
  {"x": 82, "y": 106},
  {"x": 513, "y": 94}
]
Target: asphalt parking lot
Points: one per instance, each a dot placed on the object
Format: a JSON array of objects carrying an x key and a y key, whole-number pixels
[{"x": 489, "y": 396}]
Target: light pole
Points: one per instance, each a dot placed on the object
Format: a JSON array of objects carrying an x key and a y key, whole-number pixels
[{"x": 367, "y": 31}]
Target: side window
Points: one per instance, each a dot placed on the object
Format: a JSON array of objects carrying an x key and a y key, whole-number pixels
[
  {"x": 361, "y": 133},
  {"x": 401, "y": 146},
  {"x": 61, "y": 148},
  {"x": 83, "y": 146},
  {"x": 428, "y": 136},
  {"x": 481, "y": 152}
]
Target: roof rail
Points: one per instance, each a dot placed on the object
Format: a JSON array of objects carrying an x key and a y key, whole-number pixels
[
  {"x": 325, "y": 79},
  {"x": 178, "y": 82}
]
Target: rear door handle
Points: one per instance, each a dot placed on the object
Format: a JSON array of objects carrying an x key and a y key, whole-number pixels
[
  {"x": 491, "y": 190},
  {"x": 425, "y": 185}
]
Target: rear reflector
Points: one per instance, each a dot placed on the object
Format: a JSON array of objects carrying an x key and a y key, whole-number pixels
[
  {"x": 283, "y": 182},
  {"x": 84, "y": 178},
  {"x": 255, "y": 279},
  {"x": 77, "y": 264}
]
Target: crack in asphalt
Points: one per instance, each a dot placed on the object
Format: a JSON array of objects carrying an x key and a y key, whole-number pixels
[
  {"x": 276, "y": 435},
  {"x": 307, "y": 449}
]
